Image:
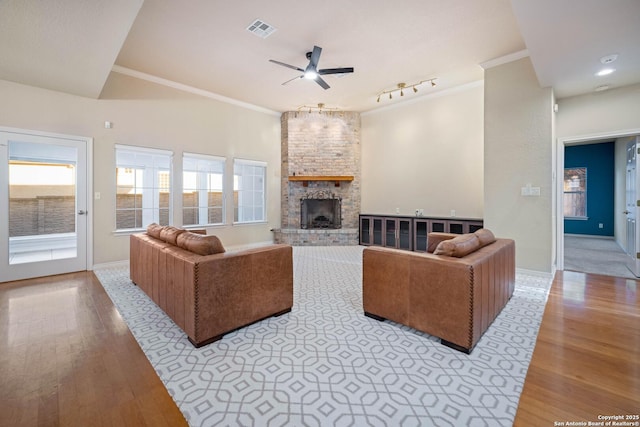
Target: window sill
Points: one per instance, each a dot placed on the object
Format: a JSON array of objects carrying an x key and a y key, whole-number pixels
[
  {"x": 199, "y": 226},
  {"x": 250, "y": 223},
  {"x": 128, "y": 231}
]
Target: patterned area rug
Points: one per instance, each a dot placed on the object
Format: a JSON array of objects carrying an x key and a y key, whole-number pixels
[{"x": 326, "y": 364}]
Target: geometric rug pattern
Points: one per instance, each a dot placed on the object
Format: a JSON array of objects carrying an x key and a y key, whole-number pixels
[{"x": 326, "y": 364}]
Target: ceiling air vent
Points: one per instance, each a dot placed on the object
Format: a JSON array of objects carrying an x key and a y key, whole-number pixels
[{"x": 261, "y": 28}]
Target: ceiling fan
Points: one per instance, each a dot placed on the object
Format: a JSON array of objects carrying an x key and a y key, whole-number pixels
[{"x": 312, "y": 72}]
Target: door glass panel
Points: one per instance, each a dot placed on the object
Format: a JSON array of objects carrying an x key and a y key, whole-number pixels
[
  {"x": 421, "y": 236},
  {"x": 377, "y": 231},
  {"x": 405, "y": 234},
  {"x": 390, "y": 228},
  {"x": 42, "y": 202}
]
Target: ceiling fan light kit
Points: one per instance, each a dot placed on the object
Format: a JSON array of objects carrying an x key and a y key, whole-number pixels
[
  {"x": 311, "y": 72},
  {"x": 400, "y": 87}
]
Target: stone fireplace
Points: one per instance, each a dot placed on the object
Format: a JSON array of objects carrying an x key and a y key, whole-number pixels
[
  {"x": 320, "y": 210},
  {"x": 320, "y": 178}
]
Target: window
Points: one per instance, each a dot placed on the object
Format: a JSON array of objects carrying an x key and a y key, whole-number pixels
[
  {"x": 575, "y": 192},
  {"x": 202, "y": 193},
  {"x": 249, "y": 191},
  {"x": 143, "y": 187}
]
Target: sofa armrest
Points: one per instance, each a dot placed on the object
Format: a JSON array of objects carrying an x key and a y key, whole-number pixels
[
  {"x": 434, "y": 239},
  {"x": 385, "y": 283},
  {"x": 236, "y": 289}
]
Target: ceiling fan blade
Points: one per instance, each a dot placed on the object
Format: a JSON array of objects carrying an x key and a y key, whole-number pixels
[
  {"x": 322, "y": 83},
  {"x": 290, "y": 80},
  {"x": 287, "y": 65},
  {"x": 315, "y": 57},
  {"x": 335, "y": 71}
]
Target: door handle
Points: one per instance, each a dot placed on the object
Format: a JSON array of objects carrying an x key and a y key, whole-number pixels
[
  {"x": 626, "y": 212},
  {"x": 81, "y": 212}
]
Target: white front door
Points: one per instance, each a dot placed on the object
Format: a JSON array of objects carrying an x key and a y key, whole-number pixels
[
  {"x": 44, "y": 215},
  {"x": 631, "y": 211}
]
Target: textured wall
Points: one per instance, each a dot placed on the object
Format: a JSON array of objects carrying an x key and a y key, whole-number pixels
[
  {"x": 425, "y": 154},
  {"x": 600, "y": 163},
  {"x": 518, "y": 150}
]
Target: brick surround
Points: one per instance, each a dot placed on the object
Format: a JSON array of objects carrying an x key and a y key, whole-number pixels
[{"x": 319, "y": 144}]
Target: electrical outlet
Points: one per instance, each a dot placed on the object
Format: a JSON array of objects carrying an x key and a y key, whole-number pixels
[
  {"x": 397, "y": 210},
  {"x": 97, "y": 195},
  {"x": 453, "y": 212}
]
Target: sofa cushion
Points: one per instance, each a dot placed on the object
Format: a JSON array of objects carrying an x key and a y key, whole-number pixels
[
  {"x": 154, "y": 230},
  {"x": 485, "y": 236},
  {"x": 434, "y": 238},
  {"x": 170, "y": 234},
  {"x": 200, "y": 244},
  {"x": 458, "y": 246}
]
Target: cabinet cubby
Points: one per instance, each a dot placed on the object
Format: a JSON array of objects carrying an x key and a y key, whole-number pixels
[{"x": 410, "y": 233}]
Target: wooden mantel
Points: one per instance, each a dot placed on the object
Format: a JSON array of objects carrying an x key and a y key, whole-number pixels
[{"x": 335, "y": 179}]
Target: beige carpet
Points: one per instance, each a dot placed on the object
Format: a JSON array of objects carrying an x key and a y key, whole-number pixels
[{"x": 595, "y": 255}]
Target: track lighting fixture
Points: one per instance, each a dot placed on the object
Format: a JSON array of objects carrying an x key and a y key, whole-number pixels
[
  {"x": 319, "y": 108},
  {"x": 400, "y": 87}
]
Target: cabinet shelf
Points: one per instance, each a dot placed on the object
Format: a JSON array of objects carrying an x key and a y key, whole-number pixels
[
  {"x": 410, "y": 233},
  {"x": 337, "y": 179}
]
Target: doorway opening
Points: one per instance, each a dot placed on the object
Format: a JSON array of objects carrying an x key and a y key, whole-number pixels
[{"x": 568, "y": 247}]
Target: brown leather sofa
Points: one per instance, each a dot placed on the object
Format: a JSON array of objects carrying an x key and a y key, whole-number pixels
[
  {"x": 453, "y": 294},
  {"x": 206, "y": 291}
]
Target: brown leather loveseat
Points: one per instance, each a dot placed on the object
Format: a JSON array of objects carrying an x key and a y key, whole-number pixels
[
  {"x": 206, "y": 291},
  {"x": 453, "y": 292}
]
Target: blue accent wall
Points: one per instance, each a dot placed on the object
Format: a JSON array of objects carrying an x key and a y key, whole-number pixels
[{"x": 600, "y": 164}]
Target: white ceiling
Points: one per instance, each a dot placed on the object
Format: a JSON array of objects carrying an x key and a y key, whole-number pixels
[
  {"x": 72, "y": 45},
  {"x": 64, "y": 45},
  {"x": 567, "y": 38}
]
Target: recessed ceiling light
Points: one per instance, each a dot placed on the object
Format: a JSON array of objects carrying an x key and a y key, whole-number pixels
[
  {"x": 609, "y": 58},
  {"x": 605, "y": 72}
]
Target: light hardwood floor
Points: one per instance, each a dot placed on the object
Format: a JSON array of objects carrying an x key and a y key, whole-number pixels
[
  {"x": 67, "y": 358},
  {"x": 586, "y": 362}
]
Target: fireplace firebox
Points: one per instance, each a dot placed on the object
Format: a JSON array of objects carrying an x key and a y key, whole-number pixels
[{"x": 319, "y": 210}]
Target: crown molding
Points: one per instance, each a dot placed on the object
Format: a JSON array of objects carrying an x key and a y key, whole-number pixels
[
  {"x": 190, "y": 89},
  {"x": 505, "y": 59}
]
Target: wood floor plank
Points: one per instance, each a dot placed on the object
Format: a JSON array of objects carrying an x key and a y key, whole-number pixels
[
  {"x": 70, "y": 359},
  {"x": 586, "y": 361}
]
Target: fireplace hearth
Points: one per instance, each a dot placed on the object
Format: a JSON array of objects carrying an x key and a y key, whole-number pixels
[{"x": 320, "y": 210}]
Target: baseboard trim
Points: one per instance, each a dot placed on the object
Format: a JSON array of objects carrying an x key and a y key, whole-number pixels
[
  {"x": 590, "y": 236},
  {"x": 536, "y": 273},
  {"x": 115, "y": 264}
]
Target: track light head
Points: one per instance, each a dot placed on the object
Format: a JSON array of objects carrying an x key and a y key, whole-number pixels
[{"x": 400, "y": 87}]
